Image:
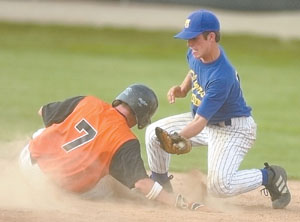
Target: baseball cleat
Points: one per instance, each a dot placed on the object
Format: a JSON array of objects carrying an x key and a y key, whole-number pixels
[{"x": 277, "y": 186}]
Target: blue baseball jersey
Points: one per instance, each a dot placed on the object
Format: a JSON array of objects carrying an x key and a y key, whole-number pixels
[{"x": 216, "y": 91}]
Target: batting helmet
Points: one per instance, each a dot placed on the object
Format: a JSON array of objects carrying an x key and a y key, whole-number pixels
[{"x": 142, "y": 101}]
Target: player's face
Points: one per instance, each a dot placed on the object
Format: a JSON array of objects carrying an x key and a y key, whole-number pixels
[{"x": 200, "y": 47}]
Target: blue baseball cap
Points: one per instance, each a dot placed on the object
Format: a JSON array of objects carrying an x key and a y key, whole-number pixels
[{"x": 198, "y": 22}]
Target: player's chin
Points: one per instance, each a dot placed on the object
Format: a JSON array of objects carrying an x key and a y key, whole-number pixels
[{"x": 196, "y": 54}]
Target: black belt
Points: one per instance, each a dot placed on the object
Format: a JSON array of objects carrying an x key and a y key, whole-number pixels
[{"x": 223, "y": 123}]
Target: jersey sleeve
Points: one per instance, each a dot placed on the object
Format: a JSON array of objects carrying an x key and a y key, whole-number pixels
[
  {"x": 127, "y": 165},
  {"x": 57, "y": 112}
]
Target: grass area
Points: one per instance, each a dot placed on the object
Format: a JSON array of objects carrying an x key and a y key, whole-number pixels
[{"x": 40, "y": 64}]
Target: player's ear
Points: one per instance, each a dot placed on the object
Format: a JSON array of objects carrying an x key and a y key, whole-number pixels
[{"x": 211, "y": 36}]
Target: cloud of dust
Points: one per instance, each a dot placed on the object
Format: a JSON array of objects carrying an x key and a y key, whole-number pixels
[
  {"x": 195, "y": 189},
  {"x": 16, "y": 191},
  {"x": 33, "y": 193}
]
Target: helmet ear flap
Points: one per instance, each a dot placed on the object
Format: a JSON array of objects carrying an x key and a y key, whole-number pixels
[
  {"x": 142, "y": 101},
  {"x": 144, "y": 121}
]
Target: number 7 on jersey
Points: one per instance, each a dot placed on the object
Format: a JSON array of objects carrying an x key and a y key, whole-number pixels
[{"x": 90, "y": 134}]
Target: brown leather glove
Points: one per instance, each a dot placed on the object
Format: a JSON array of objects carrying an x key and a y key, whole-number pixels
[{"x": 172, "y": 143}]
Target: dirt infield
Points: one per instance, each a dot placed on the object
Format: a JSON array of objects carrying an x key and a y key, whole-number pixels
[{"x": 19, "y": 202}]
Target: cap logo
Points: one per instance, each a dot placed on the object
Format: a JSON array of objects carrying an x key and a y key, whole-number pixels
[{"x": 187, "y": 23}]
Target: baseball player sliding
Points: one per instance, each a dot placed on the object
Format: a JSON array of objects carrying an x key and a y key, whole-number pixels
[
  {"x": 86, "y": 139},
  {"x": 219, "y": 118}
]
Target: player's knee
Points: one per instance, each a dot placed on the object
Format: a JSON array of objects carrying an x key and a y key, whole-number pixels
[{"x": 218, "y": 187}]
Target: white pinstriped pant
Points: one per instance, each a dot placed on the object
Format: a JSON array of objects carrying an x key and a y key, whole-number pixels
[{"x": 227, "y": 147}]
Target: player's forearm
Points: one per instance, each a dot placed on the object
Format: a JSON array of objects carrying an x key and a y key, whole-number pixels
[
  {"x": 180, "y": 91},
  {"x": 153, "y": 191},
  {"x": 186, "y": 85},
  {"x": 194, "y": 127}
]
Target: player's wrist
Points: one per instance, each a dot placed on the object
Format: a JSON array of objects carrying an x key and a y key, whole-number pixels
[{"x": 154, "y": 192}]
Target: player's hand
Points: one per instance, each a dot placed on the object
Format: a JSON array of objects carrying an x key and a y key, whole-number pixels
[{"x": 174, "y": 92}]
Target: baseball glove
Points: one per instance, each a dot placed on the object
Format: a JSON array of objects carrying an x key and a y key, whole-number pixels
[{"x": 172, "y": 143}]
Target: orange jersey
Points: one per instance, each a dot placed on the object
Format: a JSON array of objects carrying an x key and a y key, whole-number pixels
[{"x": 77, "y": 152}]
